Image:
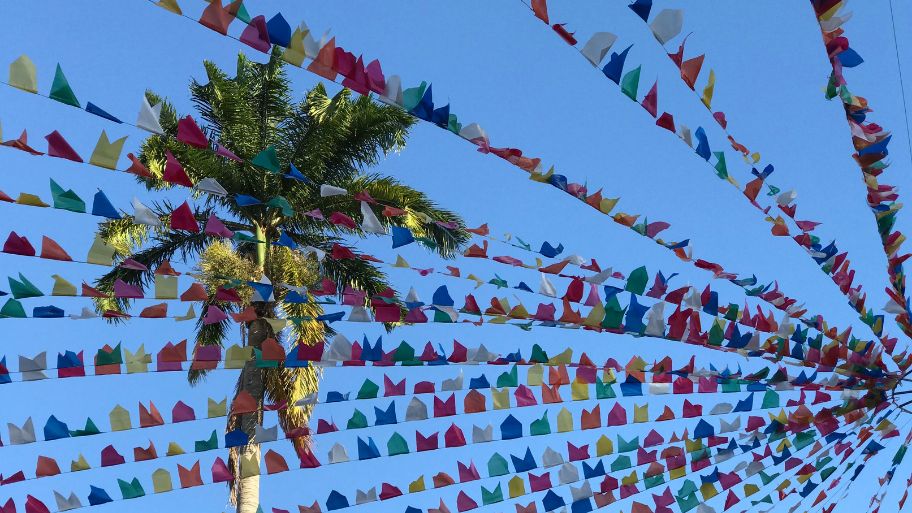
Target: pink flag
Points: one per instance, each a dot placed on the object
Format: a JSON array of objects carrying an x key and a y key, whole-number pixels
[
  {"x": 182, "y": 219},
  {"x": 58, "y": 147},
  {"x": 127, "y": 291},
  {"x": 189, "y": 133},
  {"x": 464, "y": 502},
  {"x": 174, "y": 171},
  {"x": 454, "y": 437},
  {"x": 16, "y": 245},
  {"x": 225, "y": 152},
  {"x": 214, "y": 315},
  {"x": 215, "y": 227},
  {"x": 182, "y": 413},
  {"x": 650, "y": 101},
  {"x": 256, "y": 35}
]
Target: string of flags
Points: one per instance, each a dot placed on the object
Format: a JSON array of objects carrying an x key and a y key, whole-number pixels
[
  {"x": 675, "y": 461},
  {"x": 728, "y": 463},
  {"x": 194, "y": 138},
  {"x": 184, "y": 220},
  {"x": 870, "y": 141},
  {"x": 829, "y": 259}
]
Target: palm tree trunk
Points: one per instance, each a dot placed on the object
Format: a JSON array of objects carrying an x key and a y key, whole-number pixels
[{"x": 251, "y": 380}]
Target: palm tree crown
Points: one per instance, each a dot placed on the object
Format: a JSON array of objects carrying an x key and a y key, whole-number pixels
[{"x": 331, "y": 140}]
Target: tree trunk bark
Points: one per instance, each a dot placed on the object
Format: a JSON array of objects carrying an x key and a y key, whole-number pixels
[{"x": 248, "y": 488}]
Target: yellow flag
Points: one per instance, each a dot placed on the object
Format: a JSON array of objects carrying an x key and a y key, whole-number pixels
[
  {"x": 607, "y": 204},
  {"x": 120, "y": 419},
  {"x": 641, "y": 413},
  {"x": 516, "y": 487},
  {"x": 170, "y": 5},
  {"x": 596, "y": 314},
  {"x": 139, "y": 361},
  {"x": 783, "y": 485},
  {"x": 79, "y": 464},
  {"x": 708, "y": 491},
  {"x": 536, "y": 375},
  {"x": 630, "y": 479},
  {"x": 165, "y": 286},
  {"x": 400, "y": 262},
  {"x": 31, "y": 200},
  {"x": 106, "y": 152},
  {"x": 189, "y": 316},
  {"x": 579, "y": 391},
  {"x": 543, "y": 178},
  {"x": 295, "y": 52},
  {"x": 161, "y": 481},
  {"x": 100, "y": 253},
  {"x": 277, "y": 324},
  {"x": 62, "y": 287},
  {"x": 750, "y": 489},
  {"x": 236, "y": 356},
  {"x": 677, "y": 473},
  {"x": 250, "y": 465},
  {"x": 501, "y": 398},
  {"x": 174, "y": 449},
  {"x": 563, "y": 358},
  {"x": 417, "y": 485},
  {"x": 604, "y": 446},
  {"x": 564, "y": 421},
  {"x": 216, "y": 408},
  {"x": 608, "y": 376},
  {"x": 708, "y": 90},
  {"x": 693, "y": 445},
  {"x": 22, "y": 74}
]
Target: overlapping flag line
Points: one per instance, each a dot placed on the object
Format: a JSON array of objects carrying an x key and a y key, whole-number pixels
[
  {"x": 666, "y": 26},
  {"x": 870, "y": 141},
  {"x": 420, "y": 104},
  {"x": 864, "y": 370},
  {"x": 401, "y": 236},
  {"x": 512, "y": 429},
  {"x": 608, "y": 315},
  {"x": 303, "y": 44},
  {"x": 182, "y": 217},
  {"x": 54, "y": 429}
]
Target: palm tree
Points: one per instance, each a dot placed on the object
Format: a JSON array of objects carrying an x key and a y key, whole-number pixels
[{"x": 331, "y": 140}]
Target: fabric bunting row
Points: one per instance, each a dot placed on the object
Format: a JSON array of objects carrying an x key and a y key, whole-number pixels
[
  {"x": 871, "y": 142},
  {"x": 577, "y": 190},
  {"x": 831, "y": 261},
  {"x": 194, "y": 137},
  {"x": 675, "y": 460}
]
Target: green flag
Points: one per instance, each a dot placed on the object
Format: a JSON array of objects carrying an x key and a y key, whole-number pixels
[
  {"x": 368, "y": 390},
  {"x": 23, "y": 288},
  {"x": 508, "y": 379},
  {"x": 637, "y": 281},
  {"x": 493, "y": 496},
  {"x": 267, "y": 159},
  {"x": 397, "y": 445},
  {"x": 61, "y": 90},
  {"x": 540, "y": 426},
  {"x": 133, "y": 489},
  {"x": 12, "y": 308},
  {"x": 721, "y": 168},
  {"x": 207, "y": 445},
  {"x": 413, "y": 95},
  {"x": 281, "y": 203},
  {"x": 357, "y": 421},
  {"x": 630, "y": 83},
  {"x": 497, "y": 466},
  {"x": 66, "y": 200}
]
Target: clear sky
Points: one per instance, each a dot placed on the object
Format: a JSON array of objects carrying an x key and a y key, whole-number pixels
[{"x": 499, "y": 66}]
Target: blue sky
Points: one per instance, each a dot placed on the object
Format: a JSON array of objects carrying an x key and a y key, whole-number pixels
[{"x": 499, "y": 66}]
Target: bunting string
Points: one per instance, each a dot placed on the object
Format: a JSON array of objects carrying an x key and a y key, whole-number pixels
[{"x": 834, "y": 264}]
